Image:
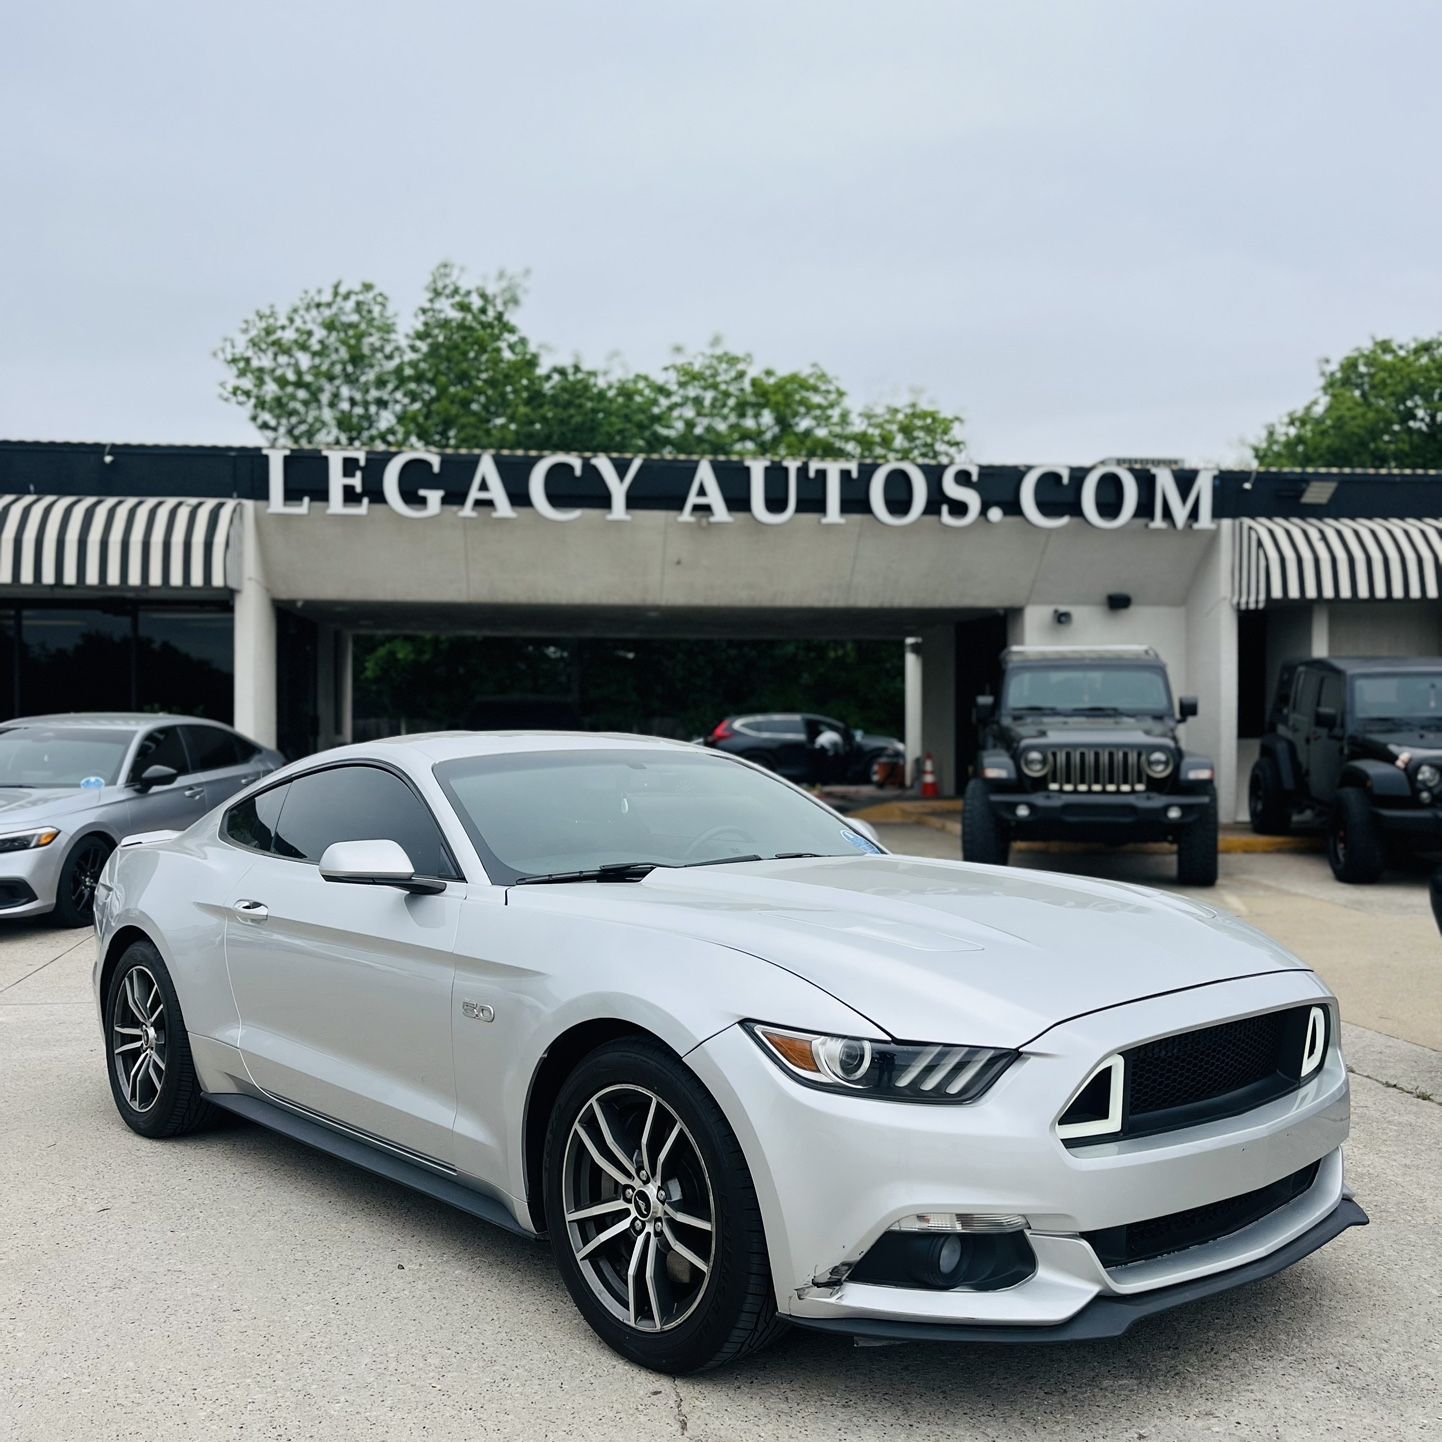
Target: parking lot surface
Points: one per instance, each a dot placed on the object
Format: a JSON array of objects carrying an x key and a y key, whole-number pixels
[{"x": 235, "y": 1285}]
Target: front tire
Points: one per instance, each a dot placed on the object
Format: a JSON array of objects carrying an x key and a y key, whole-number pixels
[
  {"x": 652, "y": 1214},
  {"x": 1267, "y": 805},
  {"x": 75, "y": 890},
  {"x": 147, "y": 1050},
  {"x": 1197, "y": 848},
  {"x": 983, "y": 836},
  {"x": 1355, "y": 847}
]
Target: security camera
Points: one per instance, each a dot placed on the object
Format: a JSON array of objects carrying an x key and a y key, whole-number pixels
[{"x": 1062, "y": 618}]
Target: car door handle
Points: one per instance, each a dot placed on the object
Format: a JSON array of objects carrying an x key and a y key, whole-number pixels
[
  {"x": 251, "y": 910},
  {"x": 194, "y": 792}
]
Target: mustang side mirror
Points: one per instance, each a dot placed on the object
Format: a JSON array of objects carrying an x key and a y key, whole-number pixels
[
  {"x": 156, "y": 776},
  {"x": 1186, "y": 707},
  {"x": 374, "y": 863},
  {"x": 1326, "y": 718},
  {"x": 985, "y": 708}
]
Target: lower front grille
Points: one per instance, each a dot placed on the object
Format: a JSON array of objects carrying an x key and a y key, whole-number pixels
[{"x": 1160, "y": 1236}]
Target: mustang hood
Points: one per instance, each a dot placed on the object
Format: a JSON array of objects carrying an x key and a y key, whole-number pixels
[{"x": 940, "y": 950}]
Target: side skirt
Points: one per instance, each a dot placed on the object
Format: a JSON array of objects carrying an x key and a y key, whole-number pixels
[{"x": 372, "y": 1159}]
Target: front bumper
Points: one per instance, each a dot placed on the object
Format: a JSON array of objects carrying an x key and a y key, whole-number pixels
[
  {"x": 833, "y": 1173},
  {"x": 1098, "y": 815},
  {"x": 1108, "y": 1315},
  {"x": 1421, "y": 825},
  {"x": 28, "y": 879}
]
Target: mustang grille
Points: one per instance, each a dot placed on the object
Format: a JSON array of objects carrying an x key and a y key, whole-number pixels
[
  {"x": 1095, "y": 768},
  {"x": 1158, "y": 1236},
  {"x": 1197, "y": 1076}
]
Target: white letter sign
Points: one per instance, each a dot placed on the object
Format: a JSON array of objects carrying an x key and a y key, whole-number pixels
[
  {"x": 391, "y": 485},
  {"x": 338, "y": 482}
]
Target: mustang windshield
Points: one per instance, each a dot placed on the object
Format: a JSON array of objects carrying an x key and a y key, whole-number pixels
[
  {"x": 1098, "y": 690},
  {"x": 1398, "y": 696},
  {"x": 61, "y": 755},
  {"x": 546, "y": 812}
]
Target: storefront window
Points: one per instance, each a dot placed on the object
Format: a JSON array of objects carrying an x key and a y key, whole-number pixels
[
  {"x": 116, "y": 658},
  {"x": 185, "y": 662},
  {"x": 74, "y": 660}
]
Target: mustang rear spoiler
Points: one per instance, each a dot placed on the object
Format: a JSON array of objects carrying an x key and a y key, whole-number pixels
[{"x": 144, "y": 838}]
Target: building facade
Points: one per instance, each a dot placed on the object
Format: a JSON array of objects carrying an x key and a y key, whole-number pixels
[{"x": 230, "y": 581}]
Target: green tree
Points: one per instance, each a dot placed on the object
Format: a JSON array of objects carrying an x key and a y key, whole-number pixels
[
  {"x": 1381, "y": 405},
  {"x": 336, "y": 367}
]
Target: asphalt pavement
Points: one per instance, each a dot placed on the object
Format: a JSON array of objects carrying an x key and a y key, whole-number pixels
[{"x": 235, "y": 1285}]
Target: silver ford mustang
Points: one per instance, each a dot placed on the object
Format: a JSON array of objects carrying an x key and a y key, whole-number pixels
[{"x": 739, "y": 1064}]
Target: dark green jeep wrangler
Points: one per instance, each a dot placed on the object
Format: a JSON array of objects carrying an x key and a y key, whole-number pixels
[
  {"x": 1357, "y": 741},
  {"x": 1082, "y": 745}
]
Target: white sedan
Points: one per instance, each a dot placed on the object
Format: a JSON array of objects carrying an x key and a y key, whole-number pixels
[{"x": 741, "y": 1066}]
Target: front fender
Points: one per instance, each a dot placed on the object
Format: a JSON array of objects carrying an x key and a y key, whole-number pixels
[
  {"x": 1381, "y": 779},
  {"x": 1284, "y": 754}
]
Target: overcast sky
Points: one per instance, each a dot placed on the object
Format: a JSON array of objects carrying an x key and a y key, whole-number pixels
[{"x": 1094, "y": 228}]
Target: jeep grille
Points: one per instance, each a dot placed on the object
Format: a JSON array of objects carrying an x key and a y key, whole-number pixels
[{"x": 1095, "y": 768}]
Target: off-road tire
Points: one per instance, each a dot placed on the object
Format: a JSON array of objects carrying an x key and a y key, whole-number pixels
[
  {"x": 983, "y": 836},
  {"x": 1267, "y": 806},
  {"x": 1355, "y": 845},
  {"x": 1197, "y": 848},
  {"x": 736, "y": 1313},
  {"x": 180, "y": 1105}
]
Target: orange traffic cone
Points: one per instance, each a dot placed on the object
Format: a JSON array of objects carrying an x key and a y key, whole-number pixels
[{"x": 928, "y": 777}]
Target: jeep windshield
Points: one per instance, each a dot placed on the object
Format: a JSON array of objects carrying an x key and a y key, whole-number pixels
[
  {"x": 1091, "y": 690},
  {"x": 1405, "y": 698}
]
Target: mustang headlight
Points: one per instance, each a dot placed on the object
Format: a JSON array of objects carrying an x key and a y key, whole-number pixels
[
  {"x": 1428, "y": 776},
  {"x": 1159, "y": 762},
  {"x": 1033, "y": 762},
  {"x": 891, "y": 1070},
  {"x": 28, "y": 840}
]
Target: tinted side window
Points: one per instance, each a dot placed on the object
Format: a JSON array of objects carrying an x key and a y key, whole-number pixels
[
  {"x": 1304, "y": 699},
  {"x": 161, "y": 747},
  {"x": 788, "y": 726},
  {"x": 1332, "y": 692},
  {"x": 359, "y": 803},
  {"x": 245, "y": 750},
  {"x": 210, "y": 748},
  {"x": 252, "y": 823}
]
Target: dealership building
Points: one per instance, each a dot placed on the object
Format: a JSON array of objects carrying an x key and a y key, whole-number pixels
[{"x": 230, "y": 581}]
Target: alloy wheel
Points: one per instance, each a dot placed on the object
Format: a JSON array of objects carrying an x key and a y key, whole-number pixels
[
  {"x": 639, "y": 1208},
  {"x": 139, "y": 1039},
  {"x": 86, "y": 867}
]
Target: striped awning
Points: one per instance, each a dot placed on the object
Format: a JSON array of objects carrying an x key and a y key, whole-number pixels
[
  {"x": 1335, "y": 560},
  {"x": 145, "y": 542}
]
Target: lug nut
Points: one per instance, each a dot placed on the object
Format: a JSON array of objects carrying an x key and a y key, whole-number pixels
[
  {"x": 644, "y": 1177},
  {"x": 627, "y": 1193},
  {"x": 660, "y": 1194},
  {"x": 638, "y": 1226},
  {"x": 658, "y": 1228}
]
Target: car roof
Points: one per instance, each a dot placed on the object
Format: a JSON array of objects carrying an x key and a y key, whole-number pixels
[
  {"x": 109, "y": 718},
  {"x": 452, "y": 745},
  {"x": 1350, "y": 664},
  {"x": 1052, "y": 655}
]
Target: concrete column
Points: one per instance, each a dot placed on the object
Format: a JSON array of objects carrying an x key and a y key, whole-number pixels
[
  {"x": 1211, "y": 667},
  {"x": 938, "y": 702},
  {"x": 255, "y": 653},
  {"x": 911, "y": 731}
]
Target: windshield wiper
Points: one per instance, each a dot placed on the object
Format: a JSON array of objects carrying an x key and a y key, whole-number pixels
[
  {"x": 612, "y": 871},
  {"x": 724, "y": 860}
]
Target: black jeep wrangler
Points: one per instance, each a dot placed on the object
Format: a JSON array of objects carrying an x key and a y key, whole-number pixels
[
  {"x": 1359, "y": 742},
  {"x": 1083, "y": 747}
]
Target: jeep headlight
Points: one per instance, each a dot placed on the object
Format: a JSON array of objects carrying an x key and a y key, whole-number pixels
[
  {"x": 28, "y": 840},
  {"x": 888, "y": 1070},
  {"x": 1159, "y": 763},
  {"x": 1428, "y": 776},
  {"x": 1033, "y": 762}
]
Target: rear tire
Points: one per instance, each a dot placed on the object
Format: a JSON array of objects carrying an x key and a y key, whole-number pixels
[
  {"x": 147, "y": 1050},
  {"x": 641, "y": 1290},
  {"x": 75, "y": 890},
  {"x": 983, "y": 836},
  {"x": 1197, "y": 848},
  {"x": 1267, "y": 804},
  {"x": 1355, "y": 845}
]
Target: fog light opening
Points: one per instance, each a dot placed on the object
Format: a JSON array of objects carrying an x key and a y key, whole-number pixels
[
  {"x": 931, "y": 1250},
  {"x": 1174, "y": 813},
  {"x": 1023, "y": 811}
]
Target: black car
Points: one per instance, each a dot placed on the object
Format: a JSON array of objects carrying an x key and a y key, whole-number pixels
[
  {"x": 1082, "y": 745},
  {"x": 1357, "y": 740},
  {"x": 804, "y": 747}
]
